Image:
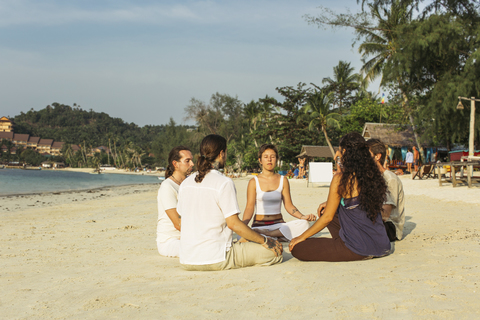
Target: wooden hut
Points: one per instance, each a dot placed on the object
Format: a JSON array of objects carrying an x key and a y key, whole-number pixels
[
  {"x": 393, "y": 135},
  {"x": 310, "y": 152}
]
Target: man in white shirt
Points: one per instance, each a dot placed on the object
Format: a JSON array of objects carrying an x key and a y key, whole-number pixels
[
  {"x": 393, "y": 213},
  {"x": 180, "y": 164},
  {"x": 208, "y": 205}
]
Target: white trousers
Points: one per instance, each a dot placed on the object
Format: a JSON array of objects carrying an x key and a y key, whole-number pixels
[
  {"x": 289, "y": 229},
  {"x": 169, "y": 248}
]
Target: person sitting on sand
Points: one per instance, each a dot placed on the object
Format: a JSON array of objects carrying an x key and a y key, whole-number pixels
[
  {"x": 180, "y": 164},
  {"x": 208, "y": 205},
  {"x": 352, "y": 213},
  {"x": 266, "y": 192},
  {"x": 393, "y": 214}
]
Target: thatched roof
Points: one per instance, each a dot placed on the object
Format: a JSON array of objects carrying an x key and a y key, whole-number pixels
[
  {"x": 391, "y": 134},
  {"x": 316, "y": 152}
]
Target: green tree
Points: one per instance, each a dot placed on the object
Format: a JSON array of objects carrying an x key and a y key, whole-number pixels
[
  {"x": 319, "y": 115},
  {"x": 343, "y": 85}
]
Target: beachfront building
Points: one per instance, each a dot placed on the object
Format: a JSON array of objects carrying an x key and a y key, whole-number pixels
[
  {"x": 56, "y": 148},
  {"x": 33, "y": 142},
  {"x": 44, "y": 146},
  {"x": 310, "y": 152},
  {"x": 6, "y": 136},
  {"x": 6, "y": 125},
  {"x": 20, "y": 140},
  {"x": 398, "y": 139},
  {"x": 391, "y": 134},
  {"x": 13, "y": 150}
]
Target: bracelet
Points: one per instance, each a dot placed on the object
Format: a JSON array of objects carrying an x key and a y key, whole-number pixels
[{"x": 266, "y": 239}]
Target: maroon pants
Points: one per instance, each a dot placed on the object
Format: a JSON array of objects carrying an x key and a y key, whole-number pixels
[{"x": 326, "y": 249}]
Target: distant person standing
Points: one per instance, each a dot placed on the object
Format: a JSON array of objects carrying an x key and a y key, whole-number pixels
[
  {"x": 180, "y": 164},
  {"x": 301, "y": 168},
  {"x": 208, "y": 205},
  {"x": 416, "y": 158},
  {"x": 393, "y": 213},
  {"x": 409, "y": 160}
]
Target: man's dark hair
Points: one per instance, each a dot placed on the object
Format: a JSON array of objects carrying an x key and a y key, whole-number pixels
[
  {"x": 377, "y": 147},
  {"x": 210, "y": 148},
  {"x": 174, "y": 155}
]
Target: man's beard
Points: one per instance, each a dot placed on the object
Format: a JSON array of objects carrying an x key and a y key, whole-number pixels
[{"x": 217, "y": 165}]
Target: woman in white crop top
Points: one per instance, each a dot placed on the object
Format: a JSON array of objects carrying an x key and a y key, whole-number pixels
[{"x": 266, "y": 192}]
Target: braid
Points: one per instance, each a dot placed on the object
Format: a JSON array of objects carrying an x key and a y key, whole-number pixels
[{"x": 210, "y": 148}]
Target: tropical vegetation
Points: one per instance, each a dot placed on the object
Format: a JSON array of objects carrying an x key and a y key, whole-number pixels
[{"x": 425, "y": 54}]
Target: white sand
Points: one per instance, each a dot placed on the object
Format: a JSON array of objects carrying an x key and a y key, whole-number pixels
[{"x": 83, "y": 255}]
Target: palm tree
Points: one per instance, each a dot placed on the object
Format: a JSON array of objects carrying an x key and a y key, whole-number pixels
[
  {"x": 320, "y": 116},
  {"x": 252, "y": 111},
  {"x": 343, "y": 83},
  {"x": 381, "y": 44}
]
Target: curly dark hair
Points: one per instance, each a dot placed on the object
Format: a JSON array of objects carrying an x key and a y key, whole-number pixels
[
  {"x": 361, "y": 171},
  {"x": 210, "y": 148}
]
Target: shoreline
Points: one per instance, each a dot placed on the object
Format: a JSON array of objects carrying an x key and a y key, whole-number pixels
[
  {"x": 116, "y": 171},
  {"x": 47, "y": 193},
  {"x": 20, "y": 202}
]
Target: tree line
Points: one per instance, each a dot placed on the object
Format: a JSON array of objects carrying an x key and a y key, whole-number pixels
[{"x": 424, "y": 53}]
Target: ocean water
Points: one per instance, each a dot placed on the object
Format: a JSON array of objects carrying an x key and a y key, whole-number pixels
[{"x": 16, "y": 181}]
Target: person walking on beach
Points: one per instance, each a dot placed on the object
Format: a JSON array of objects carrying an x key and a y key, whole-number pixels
[
  {"x": 409, "y": 160},
  {"x": 208, "y": 205},
  {"x": 180, "y": 164},
  {"x": 352, "y": 212},
  {"x": 266, "y": 192},
  {"x": 393, "y": 213}
]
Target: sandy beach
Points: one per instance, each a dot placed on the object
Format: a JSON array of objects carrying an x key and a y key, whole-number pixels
[{"x": 92, "y": 255}]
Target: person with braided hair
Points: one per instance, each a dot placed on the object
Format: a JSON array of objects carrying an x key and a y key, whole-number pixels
[
  {"x": 180, "y": 164},
  {"x": 352, "y": 212},
  {"x": 208, "y": 205}
]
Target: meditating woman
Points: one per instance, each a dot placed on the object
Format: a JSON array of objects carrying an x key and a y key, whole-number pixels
[
  {"x": 352, "y": 212},
  {"x": 266, "y": 192}
]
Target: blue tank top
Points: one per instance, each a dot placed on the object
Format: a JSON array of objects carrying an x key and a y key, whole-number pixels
[{"x": 359, "y": 233}]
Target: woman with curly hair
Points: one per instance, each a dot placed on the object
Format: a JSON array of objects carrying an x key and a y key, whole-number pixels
[{"x": 352, "y": 212}]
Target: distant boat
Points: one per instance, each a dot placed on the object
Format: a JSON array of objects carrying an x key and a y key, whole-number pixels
[
  {"x": 161, "y": 178},
  {"x": 2, "y": 166},
  {"x": 32, "y": 168}
]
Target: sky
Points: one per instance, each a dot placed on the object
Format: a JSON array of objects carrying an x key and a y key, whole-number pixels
[{"x": 143, "y": 61}]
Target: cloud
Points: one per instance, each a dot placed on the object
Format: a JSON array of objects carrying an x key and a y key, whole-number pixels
[
  {"x": 48, "y": 13},
  {"x": 56, "y": 12}
]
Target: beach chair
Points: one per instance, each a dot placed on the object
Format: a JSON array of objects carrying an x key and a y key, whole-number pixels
[
  {"x": 425, "y": 170},
  {"x": 428, "y": 171},
  {"x": 418, "y": 173}
]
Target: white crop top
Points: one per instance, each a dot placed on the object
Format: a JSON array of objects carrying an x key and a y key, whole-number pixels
[{"x": 268, "y": 203}]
